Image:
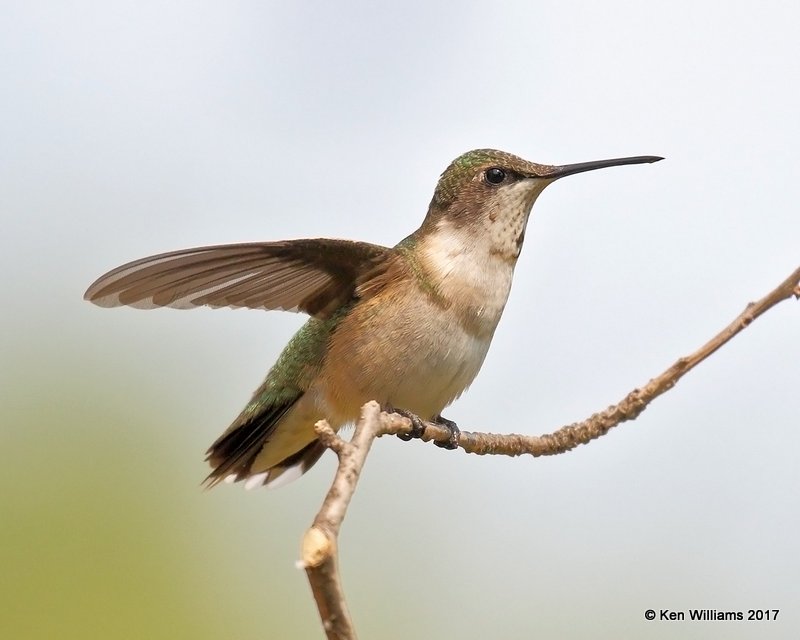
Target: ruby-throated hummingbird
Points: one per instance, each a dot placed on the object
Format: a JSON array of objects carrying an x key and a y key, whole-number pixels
[{"x": 407, "y": 326}]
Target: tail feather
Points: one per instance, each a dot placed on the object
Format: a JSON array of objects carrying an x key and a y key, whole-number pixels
[
  {"x": 294, "y": 466},
  {"x": 234, "y": 451}
]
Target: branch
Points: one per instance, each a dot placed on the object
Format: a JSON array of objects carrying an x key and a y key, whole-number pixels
[
  {"x": 319, "y": 548},
  {"x": 319, "y": 551},
  {"x": 628, "y": 408}
]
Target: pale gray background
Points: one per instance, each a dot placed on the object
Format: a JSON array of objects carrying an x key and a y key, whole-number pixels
[{"x": 128, "y": 129}]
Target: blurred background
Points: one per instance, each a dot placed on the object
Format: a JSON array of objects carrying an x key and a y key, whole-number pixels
[{"x": 131, "y": 128}]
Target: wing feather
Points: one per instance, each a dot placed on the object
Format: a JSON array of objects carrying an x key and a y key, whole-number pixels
[{"x": 315, "y": 276}]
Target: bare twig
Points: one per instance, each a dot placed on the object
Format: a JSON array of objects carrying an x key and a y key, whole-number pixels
[
  {"x": 319, "y": 549},
  {"x": 628, "y": 408},
  {"x": 320, "y": 558}
]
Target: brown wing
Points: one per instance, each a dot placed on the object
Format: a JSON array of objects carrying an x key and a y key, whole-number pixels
[{"x": 315, "y": 276}]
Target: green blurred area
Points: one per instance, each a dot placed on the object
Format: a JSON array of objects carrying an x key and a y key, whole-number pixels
[{"x": 105, "y": 530}]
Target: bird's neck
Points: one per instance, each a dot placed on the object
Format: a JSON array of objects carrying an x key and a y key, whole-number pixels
[{"x": 462, "y": 269}]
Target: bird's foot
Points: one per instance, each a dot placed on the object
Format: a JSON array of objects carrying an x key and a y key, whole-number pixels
[
  {"x": 455, "y": 432},
  {"x": 417, "y": 424},
  {"x": 418, "y": 428}
]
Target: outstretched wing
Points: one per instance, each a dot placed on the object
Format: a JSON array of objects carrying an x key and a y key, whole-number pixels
[{"x": 315, "y": 276}]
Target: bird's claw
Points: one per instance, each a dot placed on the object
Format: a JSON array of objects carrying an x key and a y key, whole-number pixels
[
  {"x": 418, "y": 428},
  {"x": 455, "y": 432},
  {"x": 417, "y": 425}
]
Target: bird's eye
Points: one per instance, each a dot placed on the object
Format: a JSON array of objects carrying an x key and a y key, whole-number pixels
[{"x": 495, "y": 175}]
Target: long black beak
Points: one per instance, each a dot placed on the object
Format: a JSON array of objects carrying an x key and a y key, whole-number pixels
[{"x": 579, "y": 167}]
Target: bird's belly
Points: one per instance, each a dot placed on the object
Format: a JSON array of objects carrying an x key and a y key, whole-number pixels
[
  {"x": 437, "y": 373},
  {"x": 420, "y": 362}
]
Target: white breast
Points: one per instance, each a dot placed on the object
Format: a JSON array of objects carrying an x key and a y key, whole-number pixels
[
  {"x": 474, "y": 285},
  {"x": 431, "y": 344},
  {"x": 468, "y": 275}
]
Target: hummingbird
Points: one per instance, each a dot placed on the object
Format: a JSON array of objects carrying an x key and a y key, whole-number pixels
[{"x": 407, "y": 326}]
